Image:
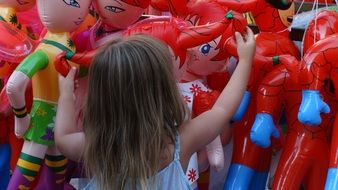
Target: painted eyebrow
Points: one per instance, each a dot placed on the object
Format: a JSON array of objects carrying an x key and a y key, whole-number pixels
[
  {"x": 117, "y": 1},
  {"x": 214, "y": 41}
]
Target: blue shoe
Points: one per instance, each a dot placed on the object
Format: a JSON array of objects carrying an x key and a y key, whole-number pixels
[
  {"x": 259, "y": 181},
  {"x": 332, "y": 179}
]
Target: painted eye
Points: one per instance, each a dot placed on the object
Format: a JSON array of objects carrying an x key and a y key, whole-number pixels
[
  {"x": 73, "y": 3},
  {"x": 22, "y": 2},
  {"x": 205, "y": 49},
  {"x": 114, "y": 9}
]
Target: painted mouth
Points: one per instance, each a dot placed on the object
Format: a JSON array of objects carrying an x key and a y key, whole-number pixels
[
  {"x": 78, "y": 22},
  {"x": 290, "y": 19},
  {"x": 114, "y": 9}
]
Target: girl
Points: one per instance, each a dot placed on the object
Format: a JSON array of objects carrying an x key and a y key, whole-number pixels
[{"x": 137, "y": 129}]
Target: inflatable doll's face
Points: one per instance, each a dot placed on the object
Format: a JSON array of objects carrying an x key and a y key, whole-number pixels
[
  {"x": 62, "y": 15},
  {"x": 19, "y": 5},
  {"x": 118, "y": 14},
  {"x": 200, "y": 62},
  {"x": 285, "y": 14}
]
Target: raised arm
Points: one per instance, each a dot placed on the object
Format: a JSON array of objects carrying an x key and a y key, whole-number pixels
[
  {"x": 68, "y": 140},
  {"x": 225, "y": 106}
]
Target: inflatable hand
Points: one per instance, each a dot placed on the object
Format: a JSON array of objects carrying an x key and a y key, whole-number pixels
[
  {"x": 262, "y": 129},
  {"x": 332, "y": 179},
  {"x": 61, "y": 64},
  {"x": 242, "y": 107},
  {"x": 21, "y": 125},
  {"x": 311, "y": 107}
]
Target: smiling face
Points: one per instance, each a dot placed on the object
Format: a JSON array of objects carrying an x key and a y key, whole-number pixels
[
  {"x": 200, "y": 62},
  {"x": 19, "y": 5},
  {"x": 117, "y": 13},
  {"x": 62, "y": 15}
]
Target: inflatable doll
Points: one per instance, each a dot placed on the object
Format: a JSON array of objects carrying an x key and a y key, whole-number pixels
[
  {"x": 203, "y": 63},
  {"x": 10, "y": 56},
  {"x": 319, "y": 65},
  {"x": 179, "y": 38},
  {"x": 250, "y": 163},
  {"x": 305, "y": 156},
  {"x": 37, "y": 126}
]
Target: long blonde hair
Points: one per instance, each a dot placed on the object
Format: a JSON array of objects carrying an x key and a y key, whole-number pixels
[{"x": 133, "y": 108}]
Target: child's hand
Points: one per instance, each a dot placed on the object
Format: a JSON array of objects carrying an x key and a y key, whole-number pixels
[
  {"x": 68, "y": 84},
  {"x": 246, "y": 46}
]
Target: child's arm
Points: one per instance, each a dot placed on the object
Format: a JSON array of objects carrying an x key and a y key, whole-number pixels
[
  {"x": 68, "y": 140},
  {"x": 201, "y": 130}
]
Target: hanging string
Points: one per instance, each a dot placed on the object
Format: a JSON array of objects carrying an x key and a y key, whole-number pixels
[
  {"x": 301, "y": 5},
  {"x": 315, "y": 5}
]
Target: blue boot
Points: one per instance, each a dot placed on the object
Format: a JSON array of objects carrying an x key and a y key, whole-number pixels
[{"x": 258, "y": 181}]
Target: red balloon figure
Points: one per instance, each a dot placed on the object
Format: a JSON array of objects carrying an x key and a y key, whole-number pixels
[{"x": 320, "y": 65}]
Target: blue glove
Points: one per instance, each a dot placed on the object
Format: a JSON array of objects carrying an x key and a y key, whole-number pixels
[
  {"x": 242, "y": 107},
  {"x": 332, "y": 179},
  {"x": 262, "y": 129},
  {"x": 311, "y": 107}
]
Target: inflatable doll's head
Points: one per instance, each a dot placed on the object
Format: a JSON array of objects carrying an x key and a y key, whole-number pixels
[
  {"x": 62, "y": 15},
  {"x": 210, "y": 57},
  {"x": 178, "y": 35},
  {"x": 121, "y": 13},
  {"x": 19, "y": 5}
]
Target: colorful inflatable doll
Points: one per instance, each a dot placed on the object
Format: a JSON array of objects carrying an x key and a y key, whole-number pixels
[
  {"x": 320, "y": 65},
  {"x": 10, "y": 146},
  {"x": 37, "y": 126}
]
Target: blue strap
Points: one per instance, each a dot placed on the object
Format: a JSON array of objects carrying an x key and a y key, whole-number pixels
[{"x": 177, "y": 148}]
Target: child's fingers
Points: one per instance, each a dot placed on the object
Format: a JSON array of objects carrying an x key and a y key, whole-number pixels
[
  {"x": 61, "y": 78},
  {"x": 76, "y": 84},
  {"x": 239, "y": 38},
  {"x": 71, "y": 74},
  {"x": 250, "y": 35}
]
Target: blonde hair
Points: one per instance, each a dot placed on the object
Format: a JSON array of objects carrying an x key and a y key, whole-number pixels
[{"x": 133, "y": 108}]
